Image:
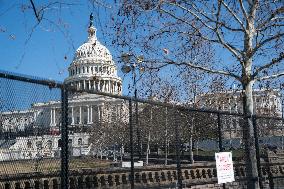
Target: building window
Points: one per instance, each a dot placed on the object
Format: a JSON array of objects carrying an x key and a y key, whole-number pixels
[
  {"x": 79, "y": 141},
  {"x": 29, "y": 144},
  {"x": 39, "y": 145},
  {"x": 59, "y": 143},
  {"x": 49, "y": 144}
]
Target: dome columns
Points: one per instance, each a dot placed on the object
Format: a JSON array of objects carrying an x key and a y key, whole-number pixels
[{"x": 102, "y": 85}]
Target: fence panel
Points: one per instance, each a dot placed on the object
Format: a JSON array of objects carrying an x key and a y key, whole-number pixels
[
  {"x": 30, "y": 118},
  {"x": 116, "y": 141}
]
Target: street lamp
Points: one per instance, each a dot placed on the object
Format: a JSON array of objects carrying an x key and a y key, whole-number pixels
[{"x": 133, "y": 64}]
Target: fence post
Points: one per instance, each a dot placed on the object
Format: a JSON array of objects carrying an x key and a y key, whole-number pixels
[
  {"x": 220, "y": 142},
  {"x": 255, "y": 129},
  {"x": 131, "y": 144},
  {"x": 179, "y": 173},
  {"x": 64, "y": 138}
]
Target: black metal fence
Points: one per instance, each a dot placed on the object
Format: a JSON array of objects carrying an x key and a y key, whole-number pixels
[{"x": 50, "y": 127}]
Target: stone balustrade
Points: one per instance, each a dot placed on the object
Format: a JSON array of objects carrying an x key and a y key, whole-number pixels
[
  {"x": 198, "y": 176},
  {"x": 145, "y": 177}
]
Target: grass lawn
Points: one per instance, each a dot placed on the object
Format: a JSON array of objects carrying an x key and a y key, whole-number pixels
[{"x": 49, "y": 165}]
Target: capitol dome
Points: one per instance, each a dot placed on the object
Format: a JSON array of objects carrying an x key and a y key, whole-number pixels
[{"x": 93, "y": 67}]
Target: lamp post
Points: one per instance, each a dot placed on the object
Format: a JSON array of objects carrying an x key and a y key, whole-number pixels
[
  {"x": 282, "y": 115},
  {"x": 132, "y": 64}
]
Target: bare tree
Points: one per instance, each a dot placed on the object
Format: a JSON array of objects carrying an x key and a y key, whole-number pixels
[
  {"x": 249, "y": 32},
  {"x": 110, "y": 130}
]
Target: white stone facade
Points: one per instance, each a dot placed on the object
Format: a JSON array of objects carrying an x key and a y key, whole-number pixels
[
  {"x": 17, "y": 120},
  {"x": 93, "y": 69},
  {"x": 46, "y": 146},
  {"x": 266, "y": 103}
]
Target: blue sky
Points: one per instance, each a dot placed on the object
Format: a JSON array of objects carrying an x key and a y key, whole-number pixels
[{"x": 49, "y": 50}]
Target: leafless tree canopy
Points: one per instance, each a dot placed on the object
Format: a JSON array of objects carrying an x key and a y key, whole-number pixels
[{"x": 184, "y": 33}]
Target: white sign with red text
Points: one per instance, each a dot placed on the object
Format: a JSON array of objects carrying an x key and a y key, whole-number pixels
[{"x": 224, "y": 166}]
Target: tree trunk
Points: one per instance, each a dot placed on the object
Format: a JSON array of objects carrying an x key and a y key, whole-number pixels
[
  {"x": 114, "y": 154},
  {"x": 248, "y": 136},
  {"x": 148, "y": 149},
  {"x": 166, "y": 138},
  {"x": 101, "y": 152},
  {"x": 167, "y": 151}
]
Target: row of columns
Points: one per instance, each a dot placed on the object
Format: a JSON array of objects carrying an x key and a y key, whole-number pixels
[
  {"x": 101, "y": 85},
  {"x": 89, "y": 114},
  {"x": 91, "y": 69},
  {"x": 90, "y": 118}
]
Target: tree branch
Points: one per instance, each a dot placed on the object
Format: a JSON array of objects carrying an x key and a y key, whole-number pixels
[
  {"x": 272, "y": 16},
  {"x": 222, "y": 24},
  {"x": 194, "y": 14},
  {"x": 270, "y": 77},
  {"x": 35, "y": 11},
  {"x": 233, "y": 14},
  {"x": 266, "y": 66},
  {"x": 270, "y": 26},
  {"x": 258, "y": 46},
  {"x": 220, "y": 40},
  {"x": 197, "y": 29},
  {"x": 208, "y": 70},
  {"x": 243, "y": 10}
]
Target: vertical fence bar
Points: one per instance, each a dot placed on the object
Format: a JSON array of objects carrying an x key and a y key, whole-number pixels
[
  {"x": 131, "y": 144},
  {"x": 64, "y": 138},
  {"x": 220, "y": 142},
  {"x": 282, "y": 115},
  {"x": 139, "y": 145},
  {"x": 179, "y": 173},
  {"x": 255, "y": 129}
]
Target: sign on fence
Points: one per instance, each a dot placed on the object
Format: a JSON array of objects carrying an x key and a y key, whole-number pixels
[{"x": 224, "y": 166}]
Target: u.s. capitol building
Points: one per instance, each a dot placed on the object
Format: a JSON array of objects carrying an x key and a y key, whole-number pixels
[{"x": 93, "y": 69}]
